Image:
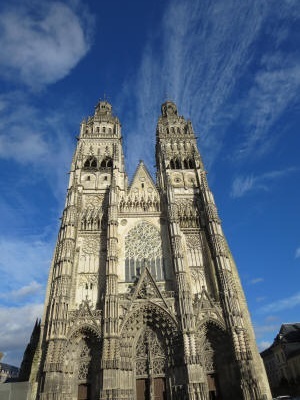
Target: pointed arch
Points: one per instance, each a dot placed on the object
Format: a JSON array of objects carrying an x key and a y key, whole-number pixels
[
  {"x": 81, "y": 360},
  {"x": 177, "y": 163},
  {"x": 107, "y": 162},
  {"x": 152, "y": 348},
  {"x": 191, "y": 163},
  {"x": 215, "y": 346},
  {"x": 90, "y": 163}
]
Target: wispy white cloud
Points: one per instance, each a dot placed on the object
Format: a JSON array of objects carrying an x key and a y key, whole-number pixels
[
  {"x": 261, "y": 330},
  {"x": 281, "y": 304},
  {"x": 271, "y": 318},
  {"x": 242, "y": 185},
  {"x": 35, "y": 137},
  {"x": 202, "y": 54},
  {"x": 193, "y": 69},
  {"x": 20, "y": 294},
  {"x": 256, "y": 280},
  {"x": 206, "y": 51},
  {"x": 260, "y": 299},
  {"x": 22, "y": 261},
  {"x": 263, "y": 345},
  {"x": 266, "y": 331},
  {"x": 24, "y": 266},
  {"x": 41, "y": 42},
  {"x": 15, "y": 330},
  {"x": 297, "y": 253},
  {"x": 275, "y": 87}
]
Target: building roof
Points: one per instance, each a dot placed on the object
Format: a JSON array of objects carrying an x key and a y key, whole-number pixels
[
  {"x": 288, "y": 338},
  {"x": 289, "y": 333}
]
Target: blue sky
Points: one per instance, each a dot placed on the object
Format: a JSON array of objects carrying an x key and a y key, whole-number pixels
[{"x": 231, "y": 66}]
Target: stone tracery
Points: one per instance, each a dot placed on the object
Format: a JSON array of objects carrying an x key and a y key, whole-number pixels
[{"x": 143, "y": 248}]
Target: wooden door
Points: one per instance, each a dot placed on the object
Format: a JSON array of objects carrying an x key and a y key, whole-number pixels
[
  {"x": 212, "y": 381},
  {"x": 159, "y": 389},
  {"x": 141, "y": 389},
  {"x": 83, "y": 392}
]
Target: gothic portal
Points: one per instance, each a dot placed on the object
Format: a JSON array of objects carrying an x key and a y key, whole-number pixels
[{"x": 144, "y": 299}]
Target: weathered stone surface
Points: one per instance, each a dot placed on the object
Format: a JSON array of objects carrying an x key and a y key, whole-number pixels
[{"x": 144, "y": 299}]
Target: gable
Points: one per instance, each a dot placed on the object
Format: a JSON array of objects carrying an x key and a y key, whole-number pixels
[{"x": 142, "y": 183}]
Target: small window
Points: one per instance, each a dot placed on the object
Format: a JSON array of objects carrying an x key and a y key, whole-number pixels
[
  {"x": 88, "y": 178},
  {"x": 105, "y": 178},
  {"x": 142, "y": 186}
]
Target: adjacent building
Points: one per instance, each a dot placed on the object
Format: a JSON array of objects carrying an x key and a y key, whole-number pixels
[
  {"x": 282, "y": 360},
  {"x": 8, "y": 372},
  {"x": 144, "y": 300}
]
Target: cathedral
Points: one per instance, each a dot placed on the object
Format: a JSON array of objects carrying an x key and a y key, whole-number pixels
[{"x": 144, "y": 300}]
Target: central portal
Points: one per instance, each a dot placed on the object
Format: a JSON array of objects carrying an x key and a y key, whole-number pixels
[{"x": 151, "y": 366}]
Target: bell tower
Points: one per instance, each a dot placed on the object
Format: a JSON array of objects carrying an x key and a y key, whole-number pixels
[
  {"x": 81, "y": 300},
  {"x": 219, "y": 341}
]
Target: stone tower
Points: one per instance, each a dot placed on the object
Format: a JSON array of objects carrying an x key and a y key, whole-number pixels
[{"x": 144, "y": 299}]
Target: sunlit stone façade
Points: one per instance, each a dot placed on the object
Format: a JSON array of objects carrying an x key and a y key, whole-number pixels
[{"x": 144, "y": 299}]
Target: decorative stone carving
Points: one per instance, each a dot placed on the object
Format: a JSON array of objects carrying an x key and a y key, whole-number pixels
[
  {"x": 134, "y": 204},
  {"x": 212, "y": 212},
  {"x": 193, "y": 241},
  {"x": 143, "y": 247},
  {"x": 188, "y": 213},
  {"x": 177, "y": 246},
  {"x": 150, "y": 355},
  {"x": 85, "y": 318},
  {"x": 219, "y": 245},
  {"x": 86, "y": 279},
  {"x": 93, "y": 201},
  {"x": 90, "y": 245}
]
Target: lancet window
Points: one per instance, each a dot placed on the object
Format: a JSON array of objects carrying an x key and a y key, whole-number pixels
[
  {"x": 187, "y": 163},
  {"x": 175, "y": 164},
  {"x": 143, "y": 248},
  {"x": 106, "y": 163},
  {"x": 90, "y": 162}
]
